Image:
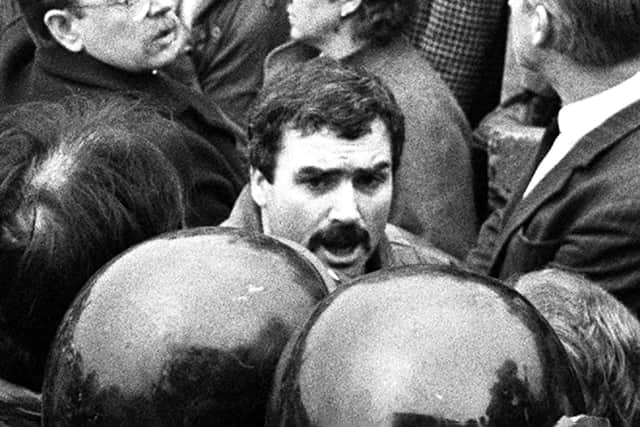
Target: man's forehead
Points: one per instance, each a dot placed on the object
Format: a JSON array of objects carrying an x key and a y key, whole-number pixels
[{"x": 325, "y": 149}]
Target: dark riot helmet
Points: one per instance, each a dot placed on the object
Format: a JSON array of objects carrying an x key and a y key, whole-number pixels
[
  {"x": 424, "y": 346},
  {"x": 182, "y": 330}
]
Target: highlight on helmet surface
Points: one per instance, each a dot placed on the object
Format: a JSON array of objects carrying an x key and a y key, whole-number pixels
[
  {"x": 182, "y": 330},
  {"x": 424, "y": 346}
]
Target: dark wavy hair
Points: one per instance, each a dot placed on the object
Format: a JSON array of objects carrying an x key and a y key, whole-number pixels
[
  {"x": 379, "y": 21},
  {"x": 80, "y": 181},
  {"x": 601, "y": 336},
  {"x": 321, "y": 94}
]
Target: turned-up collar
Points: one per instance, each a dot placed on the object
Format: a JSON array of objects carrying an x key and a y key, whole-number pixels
[{"x": 86, "y": 70}]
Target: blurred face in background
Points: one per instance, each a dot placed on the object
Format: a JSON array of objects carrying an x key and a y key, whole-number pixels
[
  {"x": 313, "y": 20},
  {"x": 133, "y": 35},
  {"x": 524, "y": 26}
]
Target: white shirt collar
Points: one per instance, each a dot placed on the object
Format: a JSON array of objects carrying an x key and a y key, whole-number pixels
[{"x": 577, "y": 119}]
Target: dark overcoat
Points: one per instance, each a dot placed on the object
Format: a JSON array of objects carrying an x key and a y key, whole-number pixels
[
  {"x": 209, "y": 164},
  {"x": 584, "y": 216}
]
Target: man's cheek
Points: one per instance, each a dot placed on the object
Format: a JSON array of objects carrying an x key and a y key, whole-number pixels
[{"x": 380, "y": 210}]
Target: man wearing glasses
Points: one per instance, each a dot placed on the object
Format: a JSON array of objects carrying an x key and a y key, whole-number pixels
[
  {"x": 133, "y": 35},
  {"x": 96, "y": 48}
]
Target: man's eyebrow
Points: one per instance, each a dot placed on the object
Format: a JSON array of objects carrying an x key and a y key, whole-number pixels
[
  {"x": 377, "y": 168},
  {"x": 315, "y": 171}
]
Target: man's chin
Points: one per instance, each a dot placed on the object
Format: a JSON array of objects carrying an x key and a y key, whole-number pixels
[
  {"x": 299, "y": 36},
  {"x": 165, "y": 52},
  {"x": 294, "y": 34}
]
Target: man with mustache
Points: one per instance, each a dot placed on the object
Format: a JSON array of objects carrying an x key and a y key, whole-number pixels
[
  {"x": 98, "y": 48},
  {"x": 324, "y": 146},
  {"x": 434, "y": 187}
]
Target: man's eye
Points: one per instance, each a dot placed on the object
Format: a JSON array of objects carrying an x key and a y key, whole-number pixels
[
  {"x": 319, "y": 183},
  {"x": 316, "y": 183},
  {"x": 370, "y": 181}
]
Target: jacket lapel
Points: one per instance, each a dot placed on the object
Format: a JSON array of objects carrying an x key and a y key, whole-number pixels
[
  {"x": 245, "y": 213},
  {"x": 592, "y": 144},
  {"x": 545, "y": 145}
]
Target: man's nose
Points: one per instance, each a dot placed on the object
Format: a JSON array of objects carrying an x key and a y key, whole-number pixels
[
  {"x": 157, "y": 7},
  {"x": 345, "y": 204}
]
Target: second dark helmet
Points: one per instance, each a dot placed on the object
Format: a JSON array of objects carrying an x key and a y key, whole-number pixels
[{"x": 424, "y": 346}]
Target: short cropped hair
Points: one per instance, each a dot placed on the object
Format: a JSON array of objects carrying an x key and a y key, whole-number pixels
[
  {"x": 321, "y": 94},
  {"x": 594, "y": 32},
  {"x": 80, "y": 182},
  {"x": 380, "y": 21},
  {"x": 601, "y": 336}
]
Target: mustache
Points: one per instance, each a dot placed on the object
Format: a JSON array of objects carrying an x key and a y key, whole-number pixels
[{"x": 340, "y": 236}]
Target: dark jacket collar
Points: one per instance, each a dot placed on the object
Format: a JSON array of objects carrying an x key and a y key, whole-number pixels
[
  {"x": 157, "y": 86},
  {"x": 83, "y": 69},
  {"x": 245, "y": 213}
]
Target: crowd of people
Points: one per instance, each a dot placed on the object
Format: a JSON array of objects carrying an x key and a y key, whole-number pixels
[{"x": 321, "y": 152}]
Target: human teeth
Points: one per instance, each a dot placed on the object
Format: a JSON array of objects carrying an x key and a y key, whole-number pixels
[
  {"x": 340, "y": 256},
  {"x": 342, "y": 251}
]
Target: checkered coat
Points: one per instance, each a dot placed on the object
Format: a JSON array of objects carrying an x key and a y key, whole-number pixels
[{"x": 465, "y": 42}]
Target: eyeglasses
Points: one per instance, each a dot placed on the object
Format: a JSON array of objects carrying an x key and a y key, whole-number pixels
[{"x": 137, "y": 9}]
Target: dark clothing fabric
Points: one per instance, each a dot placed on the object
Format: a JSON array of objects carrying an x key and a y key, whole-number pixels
[
  {"x": 231, "y": 40},
  {"x": 464, "y": 40},
  {"x": 397, "y": 248},
  {"x": 213, "y": 170},
  {"x": 433, "y": 185},
  {"x": 584, "y": 216},
  {"x": 8, "y": 12}
]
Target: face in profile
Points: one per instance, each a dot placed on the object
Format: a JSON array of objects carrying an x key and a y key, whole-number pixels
[
  {"x": 330, "y": 194},
  {"x": 312, "y": 20},
  {"x": 521, "y": 34},
  {"x": 134, "y": 35}
]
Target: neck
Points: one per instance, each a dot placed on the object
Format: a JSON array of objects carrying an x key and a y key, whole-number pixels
[
  {"x": 574, "y": 82},
  {"x": 340, "y": 43}
]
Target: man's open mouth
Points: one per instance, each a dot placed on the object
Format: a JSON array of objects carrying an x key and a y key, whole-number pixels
[
  {"x": 342, "y": 250},
  {"x": 340, "y": 256}
]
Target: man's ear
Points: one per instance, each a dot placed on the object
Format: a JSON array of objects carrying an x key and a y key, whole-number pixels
[
  {"x": 61, "y": 26},
  {"x": 540, "y": 26},
  {"x": 259, "y": 187},
  {"x": 348, "y": 7}
]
